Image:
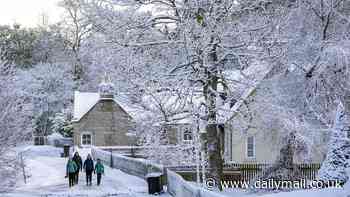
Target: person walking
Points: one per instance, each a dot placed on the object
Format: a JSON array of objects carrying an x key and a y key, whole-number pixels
[
  {"x": 71, "y": 169},
  {"x": 88, "y": 168},
  {"x": 99, "y": 170},
  {"x": 79, "y": 163}
]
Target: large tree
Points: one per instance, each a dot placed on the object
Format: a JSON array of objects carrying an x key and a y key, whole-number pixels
[{"x": 199, "y": 42}]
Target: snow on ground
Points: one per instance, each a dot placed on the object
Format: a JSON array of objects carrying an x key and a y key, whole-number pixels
[
  {"x": 312, "y": 193},
  {"x": 46, "y": 172},
  {"x": 327, "y": 192}
]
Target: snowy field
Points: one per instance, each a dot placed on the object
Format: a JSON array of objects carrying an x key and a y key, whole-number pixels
[{"x": 46, "y": 170}]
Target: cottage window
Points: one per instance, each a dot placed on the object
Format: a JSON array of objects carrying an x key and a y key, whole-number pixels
[
  {"x": 250, "y": 147},
  {"x": 86, "y": 139},
  {"x": 187, "y": 136}
]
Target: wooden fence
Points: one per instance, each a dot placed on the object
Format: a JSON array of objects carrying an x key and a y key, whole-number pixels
[{"x": 246, "y": 172}]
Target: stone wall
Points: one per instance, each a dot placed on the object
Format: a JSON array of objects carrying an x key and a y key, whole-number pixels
[{"x": 137, "y": 167}]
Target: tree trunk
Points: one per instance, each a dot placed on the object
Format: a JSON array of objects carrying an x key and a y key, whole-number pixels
[
  {"x": 213, "y": 135},
  {"x": 214, "y": 154}
]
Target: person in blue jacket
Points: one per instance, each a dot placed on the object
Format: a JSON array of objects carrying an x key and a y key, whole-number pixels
[{"x": 88, "y": 168}]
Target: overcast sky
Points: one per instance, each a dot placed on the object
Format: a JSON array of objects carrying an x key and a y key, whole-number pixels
[{"x": 27, "y": 12}]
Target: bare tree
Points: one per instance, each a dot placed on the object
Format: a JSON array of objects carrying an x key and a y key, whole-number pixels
[
  {"x": 14, "y": 128},
  {"x": 77, "y": 28}
]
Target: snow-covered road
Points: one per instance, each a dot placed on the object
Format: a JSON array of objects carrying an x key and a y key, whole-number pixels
[{"x": 47, "y": 171}]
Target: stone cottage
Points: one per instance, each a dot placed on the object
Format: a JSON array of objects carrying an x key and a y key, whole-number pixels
[
  {"x": 105, "y": 119},
  {"x": 102, "y": 119}
]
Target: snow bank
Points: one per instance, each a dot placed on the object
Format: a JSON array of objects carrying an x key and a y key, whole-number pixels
[
  {"x": 178, "y": 187},
  {"x": 54, "y": 138},
  {"x": 43, "y": 151},
  {"x": 328, "y": 192}
]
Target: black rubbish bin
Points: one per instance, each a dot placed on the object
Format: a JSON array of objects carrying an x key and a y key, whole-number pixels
[
  {"x": 154, "y": 183},
  {"x": 66, "y": 150}
]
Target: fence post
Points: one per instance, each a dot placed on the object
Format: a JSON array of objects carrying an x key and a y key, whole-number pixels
[
  {"x": 111, "y": 163},
  {"x": 23, "y": 168}
]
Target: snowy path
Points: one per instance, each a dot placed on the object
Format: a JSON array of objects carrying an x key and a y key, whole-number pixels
[
  {"x": 47, "y": 179},
  {"x": 47, "y": 171}
]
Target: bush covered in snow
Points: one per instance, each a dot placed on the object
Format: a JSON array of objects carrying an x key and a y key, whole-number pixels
[
  {"x": 61, "y": 124},
  {"x": 334, "y": 166}
]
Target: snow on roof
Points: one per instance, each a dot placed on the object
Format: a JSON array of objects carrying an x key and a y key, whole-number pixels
[
  {"x": 258, "y": 71},
  {"x": 85, "y": 101},
  {"x": 137, "y": 112},
  {"x": 181, "y": 118},
  {"x": 177, "y": 107}
]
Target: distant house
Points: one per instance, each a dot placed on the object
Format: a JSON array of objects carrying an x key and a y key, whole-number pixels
[
  {"x": 101, "y": 119},
  {"x": 254, "y": 134}
]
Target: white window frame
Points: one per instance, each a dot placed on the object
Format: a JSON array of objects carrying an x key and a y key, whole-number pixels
[
  {"x": 254, "y": 147},
  {"x": 183, "y": 134},
  {"x": 81, "y": 139}
]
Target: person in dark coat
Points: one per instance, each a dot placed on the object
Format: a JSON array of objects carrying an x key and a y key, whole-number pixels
[
  {"x": 71, "y": 168},
  {"x": 99, "y": 170},
  {"x": 89, "y": 168},
  {"x": 79, "y": 163}
]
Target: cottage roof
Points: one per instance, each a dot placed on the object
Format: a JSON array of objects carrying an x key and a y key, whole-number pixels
[
  {"x": 258, "y": 72},
  {"x": 85, "y": 101}
]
